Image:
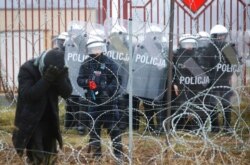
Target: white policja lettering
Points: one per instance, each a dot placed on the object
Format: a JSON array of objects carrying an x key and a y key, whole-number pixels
[
  {"x": 76, "y": 57},
  {"x": 117, "y": 56},
  {"x": 150, "y": 60},
  {"x": 197, "y": 80},
  {"x": 228, "y": 68}
]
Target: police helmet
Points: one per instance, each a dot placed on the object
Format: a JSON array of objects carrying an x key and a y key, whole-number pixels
[
  {"x": 62, "y": 36},
  {"x": 188, "y": 41},
  {"x": 203, "y": 34},
  {"x": 96, "y": 45},
  {"x": 203, "y": 39},
  {"x": 219, "y": 33},
  {"x": 60, "y": 40}
]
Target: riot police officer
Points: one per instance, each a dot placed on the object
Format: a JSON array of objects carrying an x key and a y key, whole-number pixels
[
  {"x": 60, "y": 41},
  {"x": 73, "y": 118},
  {"x": 203, "y": 39},
  {"x": 69, "y": 121},
  {"x": 189, "y": 80},
  {"x": 153, "y": 108},
  {"x": 69, "y": 116},
  {"x": 118, "y": 50},
  {"x": 98, "y": 75},
  {"x": 223, "y": 62}
]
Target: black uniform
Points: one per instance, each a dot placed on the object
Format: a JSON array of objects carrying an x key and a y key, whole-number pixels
[
  {"x": 37, "y": 113},
  {"x": 75, "y": 116},
  {"x": 118, "y": 50},
  {"x": 103, "y": 110},
  {"x": 222, "y": 65},
  {"x": 155, "y": 114},
  {"x": 191, "y": 79}
]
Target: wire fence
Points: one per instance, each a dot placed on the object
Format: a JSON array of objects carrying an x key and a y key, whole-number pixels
[{"x": 29, "y": 27}]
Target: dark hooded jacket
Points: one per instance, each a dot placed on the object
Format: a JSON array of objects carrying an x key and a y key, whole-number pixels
[{"x": 37, "y": 100}]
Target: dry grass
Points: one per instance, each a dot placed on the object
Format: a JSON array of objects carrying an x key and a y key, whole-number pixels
[{"x": 147, "y": 150}]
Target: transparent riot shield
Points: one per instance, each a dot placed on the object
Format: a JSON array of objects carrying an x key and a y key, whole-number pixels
[
  {"x": 75, "y": 53},
  {"x": 118, "y": 48},
  {"x": 75, "y": 49},
  {"x": 149, "y": 64},
  {"x": 237, "y": 52}
]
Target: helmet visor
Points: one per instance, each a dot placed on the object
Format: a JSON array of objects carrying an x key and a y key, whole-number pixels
[
  {"x": 96, "y": 48},
  {"x": 188, "y": 44},
  {"x": 220, "y": 37},
  {"x": 203, "y": 43}
]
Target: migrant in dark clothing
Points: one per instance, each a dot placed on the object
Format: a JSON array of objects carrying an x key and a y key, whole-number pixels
[{"x": 41, "y": 82}]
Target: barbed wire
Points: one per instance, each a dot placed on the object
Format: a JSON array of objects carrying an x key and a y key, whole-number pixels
[{"x": 199, "y": 145}]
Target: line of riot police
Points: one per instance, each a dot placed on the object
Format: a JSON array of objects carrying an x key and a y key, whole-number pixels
[
  {"x": 203, "y": 70},
  {"x": 97, "y": 71},
  {"x": 202, "y": 73}
]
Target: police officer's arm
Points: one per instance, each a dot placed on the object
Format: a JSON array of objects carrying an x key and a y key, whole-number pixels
[
  {"x": 211, "y": 59},
  {"x": 30, "y": 89},
  {"x": 82, "y": 79},
  {"x": 113, "y": 78}
]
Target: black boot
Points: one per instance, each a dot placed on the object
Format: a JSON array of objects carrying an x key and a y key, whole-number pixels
[
  {"x": 215, "y": 124},
  {"x": 115, "y": 134},
  {"x": 118, "y": 152},
  {"x": 227, "y": 121}
]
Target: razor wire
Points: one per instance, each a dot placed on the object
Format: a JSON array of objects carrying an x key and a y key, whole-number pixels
[{"x": 150, "y": 146}]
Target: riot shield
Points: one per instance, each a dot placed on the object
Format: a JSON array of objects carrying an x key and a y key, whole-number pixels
[
  {"x": 231, "y": 54},
  {"x": 118, "y": 47},
  {"x": 150, "y": 65},
  {"x": 75, "y": 53},
  {"x": 75, "y": 49}
]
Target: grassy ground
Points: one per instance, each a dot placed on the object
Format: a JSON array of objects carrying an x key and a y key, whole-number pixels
[{"x": 176, "y": 148}]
